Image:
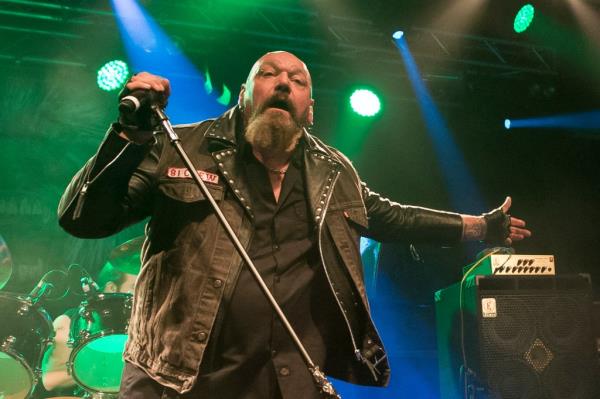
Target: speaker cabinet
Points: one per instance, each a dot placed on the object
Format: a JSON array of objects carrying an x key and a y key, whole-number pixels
[{"x": 524, "y": 338}]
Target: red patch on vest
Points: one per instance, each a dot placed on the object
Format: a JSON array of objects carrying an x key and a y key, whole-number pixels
[{"x": 183, "y": 173}]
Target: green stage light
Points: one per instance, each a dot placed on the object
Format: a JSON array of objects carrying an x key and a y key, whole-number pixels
[
  {"x": 225, "y": 98},
  {"x": 112, "y": 75},
  {"x": 365, "y": 102},
  {"x": 524, "y": 18}
]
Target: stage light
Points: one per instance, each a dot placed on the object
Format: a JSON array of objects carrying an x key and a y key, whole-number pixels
[
  {"x": 524, "y": 18},
  {"x": 150, "y": 48},
  {"x": 462, "y": 188},
  {"x": 112, "y": 75},
  {"x": 365, "y": 103},
  {"x": 225, "y": 98},
  {"x": 578, "y": 120},
  {"x": 398, "y": 35},
  {"x": 507, "y": 124}
]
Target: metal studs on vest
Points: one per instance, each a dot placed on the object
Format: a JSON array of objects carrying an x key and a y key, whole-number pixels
[{"x": 200, "y": 336}]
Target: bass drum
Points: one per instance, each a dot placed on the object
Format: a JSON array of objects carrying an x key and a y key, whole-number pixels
[
  {"x": 98, "y": 335},
  {"x": 25, "y": 333}
]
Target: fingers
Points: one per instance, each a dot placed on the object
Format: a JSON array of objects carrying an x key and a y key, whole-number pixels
[
  {"x": 517, "y": 230},
  {"x": 520, "y": 231},
  {"x": 518, "y": 234},
  {"x": 517, "y": 222},
  {"x": 506, "y": 205},
  {"x": 147, "y": 81}
]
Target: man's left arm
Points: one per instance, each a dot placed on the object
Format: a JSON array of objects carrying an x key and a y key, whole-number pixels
[{"x": 390, "y": 221}]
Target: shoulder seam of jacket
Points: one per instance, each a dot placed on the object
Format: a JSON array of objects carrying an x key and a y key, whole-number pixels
[{"x": 195, "y": 123}]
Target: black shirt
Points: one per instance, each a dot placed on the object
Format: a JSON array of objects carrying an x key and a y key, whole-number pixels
[{"x": 255, "y": 357}]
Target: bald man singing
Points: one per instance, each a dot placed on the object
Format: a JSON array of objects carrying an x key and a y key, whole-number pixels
[{"x": 200, "y": 327}]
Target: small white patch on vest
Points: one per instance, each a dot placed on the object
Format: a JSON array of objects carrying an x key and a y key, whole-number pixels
[{"x": 183, "y": 173}]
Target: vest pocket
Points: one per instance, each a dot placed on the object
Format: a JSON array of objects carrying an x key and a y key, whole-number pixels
[{"x": 189, "y": 192}]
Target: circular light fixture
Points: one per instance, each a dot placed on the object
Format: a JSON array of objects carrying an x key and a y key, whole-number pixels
[
  {"x": 364, "y": 102},
  {"x": 524, "y": 18},
  {"x": 112, "y": 75}
]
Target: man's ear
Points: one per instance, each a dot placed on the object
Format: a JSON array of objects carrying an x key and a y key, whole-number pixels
[
  {"x": 241, "y": 96},
  {"x": 110, "y": 287},
  {"x": 310, "y": 117}
]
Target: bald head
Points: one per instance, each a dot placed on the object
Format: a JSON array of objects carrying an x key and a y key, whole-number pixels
[
  {"x": 278, "y": 77},
  {"x": 276, "y": 56}
]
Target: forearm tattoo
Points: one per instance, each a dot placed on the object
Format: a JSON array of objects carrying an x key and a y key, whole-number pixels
[{"x": 474, "y": 228}]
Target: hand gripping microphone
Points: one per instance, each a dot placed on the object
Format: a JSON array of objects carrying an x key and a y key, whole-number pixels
[{"x": 138, "y": 99}]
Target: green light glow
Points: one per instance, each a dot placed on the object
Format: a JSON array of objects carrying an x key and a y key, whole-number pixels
[
  {"x": 15, "y": 381},
  {"x": 112, "y": 75},
  {"x": 365, "y": 102},
  {"x": 225, "y": 98},
  {"x": 99, "y": 364},
  {"x": 208, "y": 87},
  {"x": 524, "y": 18}
]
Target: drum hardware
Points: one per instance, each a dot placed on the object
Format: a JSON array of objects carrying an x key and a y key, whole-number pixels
[
  {"x": 23, "y": 309},
  {"x": 89, "y": 286},
  {"x": 8, "y": 343},
  {"x": 25, "y": 333},
  {"x": 51, "y": 286},
  {"x": 81, "y": 282},
  {"x": 98, "y": 334},
  {"x": 98, "y": 331}
]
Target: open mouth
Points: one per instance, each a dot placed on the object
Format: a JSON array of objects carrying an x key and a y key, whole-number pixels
[{"x": 280, "y": 104}]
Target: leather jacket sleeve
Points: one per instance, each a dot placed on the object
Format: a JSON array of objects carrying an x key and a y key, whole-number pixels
[
  {"x": 112, "y": 190},
  {"x": 391, "y": 221}
]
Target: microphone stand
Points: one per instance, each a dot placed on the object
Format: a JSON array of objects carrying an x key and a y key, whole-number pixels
[{"x": 321, "y": 381}]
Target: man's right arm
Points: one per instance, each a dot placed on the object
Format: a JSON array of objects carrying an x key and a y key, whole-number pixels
[{"x": 112, "y": 190}]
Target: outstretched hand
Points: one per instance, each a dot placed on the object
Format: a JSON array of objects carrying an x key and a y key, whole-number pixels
[{"x": 517, "y": 230}]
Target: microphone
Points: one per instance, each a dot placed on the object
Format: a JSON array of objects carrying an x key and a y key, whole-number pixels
[
  {"x": 41, "y": 289},
  {"x": 137, "y": 99}
]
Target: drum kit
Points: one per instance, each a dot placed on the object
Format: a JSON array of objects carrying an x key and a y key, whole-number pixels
[{"x": 97, "y": 334}]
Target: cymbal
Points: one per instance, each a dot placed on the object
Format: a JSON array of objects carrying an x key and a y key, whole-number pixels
[
  {"x": 126, "y": 257},
  {"x": 5, "y": 263}
]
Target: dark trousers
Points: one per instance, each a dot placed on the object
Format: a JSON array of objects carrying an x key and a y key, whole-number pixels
[{"x": 136, "y": 384}]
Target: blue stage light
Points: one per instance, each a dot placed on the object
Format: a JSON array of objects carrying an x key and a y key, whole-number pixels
[
  {"x": 507, "y": 124},
  {"x": 149, "y": 48},
  {"x": 579, "y": 120},
  {"x": 398, "y": 35},
  {"x": 463, "y": 190}
]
